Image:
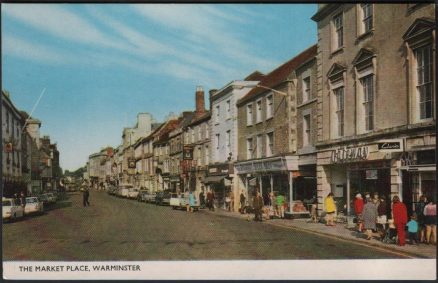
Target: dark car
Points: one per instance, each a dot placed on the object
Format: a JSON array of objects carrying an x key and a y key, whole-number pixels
[{"x": 162, "y": 198}]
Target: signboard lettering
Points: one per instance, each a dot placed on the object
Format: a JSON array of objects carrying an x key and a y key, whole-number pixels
[
  {"x": 342, "y": 155},
  {"x": 390, "y": 145}
]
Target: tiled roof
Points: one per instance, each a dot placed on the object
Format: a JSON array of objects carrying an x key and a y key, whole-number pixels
[
  {"x": 200, "y": 119},
  {"x": 279, "y": 75},
  {"x": 254, "y": 76}
]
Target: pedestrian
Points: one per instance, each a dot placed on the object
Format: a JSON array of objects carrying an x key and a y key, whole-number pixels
[
  {"x": 192, "y": 201},
  {"x": 330, "y": 209},
  {"x": 228, "y": 202},
  {"x": 273, "y": 209},
  {"x": 280, "y": 205},
  {"x": 419, "y": 210},
  {"x": 413, "y": 230},
  {"x": 258, "y": 206},
  {"x": 358, "y": 208},
  {"x": 369, "y": 216},
  {"x": 232, "y": 201},
  {"x": 202, "y": 198},
  {"x": 400, "y": 215},
  {"x": 210, "y": 199},
  {"x": 367, "y": 196},
  {"x": 376, "y": 199},
  {"x": 430, "y": 221},
  {"x": 22, "y": 200},
  {"x": 242, "y": 200},
  {"x": 85, "y": 197},
  {"x": 381, "y": 217}
]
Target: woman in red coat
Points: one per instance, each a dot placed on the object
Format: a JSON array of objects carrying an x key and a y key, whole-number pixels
[
  {"x": 400, "y": 215},
  {"x": 358, "y": 208}
]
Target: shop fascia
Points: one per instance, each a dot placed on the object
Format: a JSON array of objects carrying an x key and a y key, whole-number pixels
[
  {"x": 287, "y": 163},
  {"x": 361, "y": 152}
]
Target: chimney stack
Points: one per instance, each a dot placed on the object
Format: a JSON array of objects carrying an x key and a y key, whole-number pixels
[{"x": 200, "y": 103}]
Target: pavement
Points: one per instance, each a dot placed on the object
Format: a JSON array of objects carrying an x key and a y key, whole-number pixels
[{"x": 340, "y": 231}]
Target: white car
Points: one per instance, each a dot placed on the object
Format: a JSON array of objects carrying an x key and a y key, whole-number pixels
[
  {"x": 123, "y": 190},
  {"x": 178, "y": 201},
  {"x": 11, "y": 209},
  {"x": 133, "y": 193},
  {"x": 33, "y": 205}
]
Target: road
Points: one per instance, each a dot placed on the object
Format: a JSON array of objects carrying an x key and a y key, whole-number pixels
[{"x": 120, "y": 229}]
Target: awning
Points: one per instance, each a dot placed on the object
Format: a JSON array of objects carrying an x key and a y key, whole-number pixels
[{"x": 214, "y": 179}]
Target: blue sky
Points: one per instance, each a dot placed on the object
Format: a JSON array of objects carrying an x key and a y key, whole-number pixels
[{"x": 103, "y": 64}]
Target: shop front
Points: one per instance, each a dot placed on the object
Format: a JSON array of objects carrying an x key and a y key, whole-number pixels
[
  {"x": 280, "y": 175},
  {"x": 219, "y": 180},
  {"x": 361, "y": 168}
]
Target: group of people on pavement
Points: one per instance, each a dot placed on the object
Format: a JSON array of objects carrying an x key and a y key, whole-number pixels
[
  {"x": 371, "y": 215},
  {"x": 271, "y": 204}
]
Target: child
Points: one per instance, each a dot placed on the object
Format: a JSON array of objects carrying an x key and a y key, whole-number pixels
[{"x": 413, "y": 230}]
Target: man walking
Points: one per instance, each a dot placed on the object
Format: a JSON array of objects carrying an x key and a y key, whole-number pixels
[
  {"x": 85, "y": 196},
  {"x": 242, "y": 203},
  {"x": 258, "y": 206}
]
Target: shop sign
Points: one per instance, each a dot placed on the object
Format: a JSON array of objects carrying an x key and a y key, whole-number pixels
[
  {"x": 131, "y": 163},
  {"x": 350, "y": 154},
  {"x": 371, "y": 174},
  {"x": 188, "y": 153},
  {"x": 390, "y": 145},
  {"x": 277, "y": 165}
]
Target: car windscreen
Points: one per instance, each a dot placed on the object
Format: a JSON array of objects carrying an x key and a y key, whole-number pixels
[
  {"x": 6, "y": 203},
  {"x": 31, "y": 200}
]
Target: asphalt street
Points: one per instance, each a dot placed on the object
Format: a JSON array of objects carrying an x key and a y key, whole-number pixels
[{"x": 120, "y": 229}]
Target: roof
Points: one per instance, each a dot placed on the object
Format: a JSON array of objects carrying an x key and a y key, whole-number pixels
[
  {"x": 280, "y": 75},
  {"x": 200, "y": 119},
  {"x": 254, "y": 76},
  {"x": 163, "y": 133}
]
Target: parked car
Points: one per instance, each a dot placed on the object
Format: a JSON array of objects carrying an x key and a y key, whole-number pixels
[
  {"x": 44, "y": 198},
  {"x": 150, "y": 197},
  {"x": 33, "y": 206},
  {"x": 11, "y": 209},
  {"x": 142, "y": 195},
  {"x": 123, "y": 190},
  {"x": 52, "y": 197},
  {"x": 133, "y": 193},
  {"x": 178, "y": 201},
  {"x": 162, "y": 198}
]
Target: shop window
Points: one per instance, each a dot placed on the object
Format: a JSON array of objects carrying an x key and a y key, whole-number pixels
[
  {"x": 217, "y": 141},
  {"x": 207, "y": 155},
  {"x": 338, "y": 32}
]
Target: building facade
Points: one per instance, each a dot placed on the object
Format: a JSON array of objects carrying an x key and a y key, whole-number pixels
[
  {"x": 267, "y": 158},
  {"x": 376, "y": 101},
  {"x": 223, "y": 138}
]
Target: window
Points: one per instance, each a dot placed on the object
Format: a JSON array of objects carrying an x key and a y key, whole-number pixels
[
  {"x": 217, "y": 141},
  {"x": 249, "y": 115},
  {"x": 7, "y": 122},
  {"x": 228, "y": 140},
  {"x": 306, "y": 130},
  {"x": 270, "y": 144},
  {"x": 207, "y": 131},
  {"x": 339, "y": 94},
  {"x": 338, "y": 37},
  {"x": 368, "y": 101},
  {"x": 424, "y": 58},
  {"x": 228, "y": 113},
  {"x": 200, "y": 156},
  {"x": 367, "y": 17},
  {"x": 193, "y": 135},
  {"x": 249, "y": 152},
  {"x": 207, "y": 155},
  {"x": 259, "y": 112},
  {"x": 259, "y": 146},
  {"x": 269, "y": 107},
  {"x": 217, "y": 117},
  {"x": 306, "y": 89},
  {"x": 199, "y": 132}
]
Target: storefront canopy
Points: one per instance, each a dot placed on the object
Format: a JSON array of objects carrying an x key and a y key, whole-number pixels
[{"x": 214, "y": 179}]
